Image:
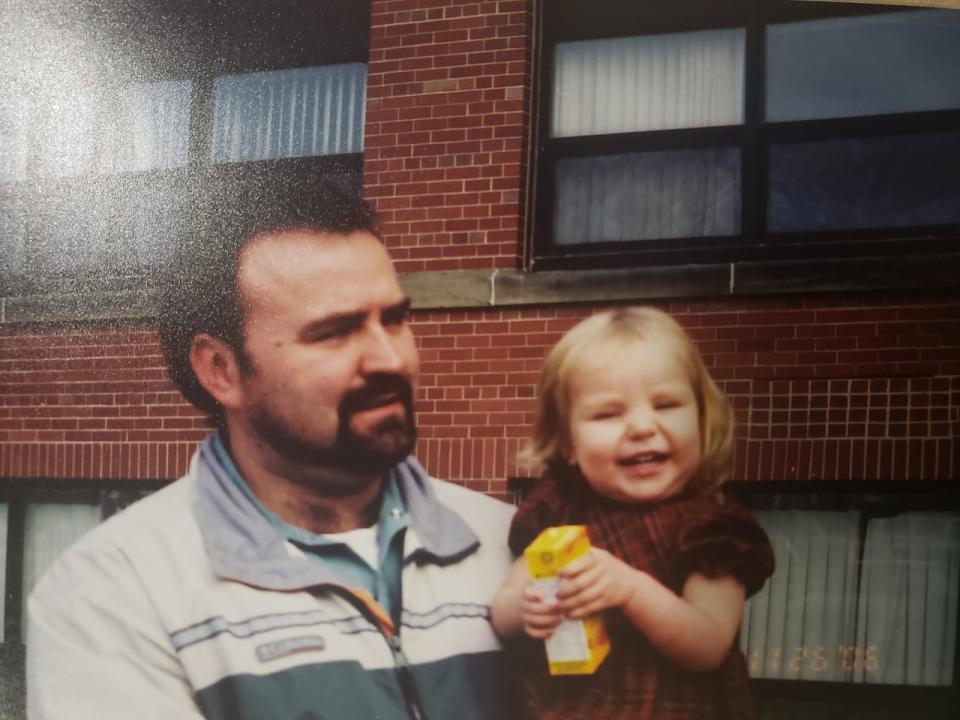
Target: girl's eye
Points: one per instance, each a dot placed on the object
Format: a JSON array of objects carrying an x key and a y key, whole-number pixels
[
  {"x": 604, "y": 415},
  {"x": 667, "y": 405}
]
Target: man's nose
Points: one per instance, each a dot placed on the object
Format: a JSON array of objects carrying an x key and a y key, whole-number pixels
[{"x": 383, "y": 351}]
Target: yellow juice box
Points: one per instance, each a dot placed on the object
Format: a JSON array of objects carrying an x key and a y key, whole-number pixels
[{"x": 577, "y": 647}]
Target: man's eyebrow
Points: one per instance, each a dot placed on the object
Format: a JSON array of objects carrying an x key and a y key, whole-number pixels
[
  {"x": 401, "y": 308},
  {"x": 333, "y": 323},
  {"x": 347, "y": 321}
]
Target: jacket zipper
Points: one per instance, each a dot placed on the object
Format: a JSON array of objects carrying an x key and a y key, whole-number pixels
[{"x": 407, "y": 684}]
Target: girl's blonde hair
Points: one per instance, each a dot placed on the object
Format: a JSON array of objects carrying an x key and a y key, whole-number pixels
[{"x": 551, "y": 435}]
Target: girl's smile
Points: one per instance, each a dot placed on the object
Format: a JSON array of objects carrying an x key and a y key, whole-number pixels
[{"x": 643, "y": 464}]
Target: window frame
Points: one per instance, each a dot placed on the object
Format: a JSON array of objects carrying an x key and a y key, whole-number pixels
[{"x": 559, "y": 22}]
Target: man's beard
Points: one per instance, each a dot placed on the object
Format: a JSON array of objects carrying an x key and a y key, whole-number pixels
[{"x": 389, "y": 442}]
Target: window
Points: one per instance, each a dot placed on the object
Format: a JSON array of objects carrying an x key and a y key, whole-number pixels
[
  {"x": 38, "y": 521},
  {"x": 697, "y": 131},
  {"x": 880, "y": 609},
  {"x": 288, "y": 113},
  {"x": 865, "y": 599},
  {"x": 115, "y": 117}
]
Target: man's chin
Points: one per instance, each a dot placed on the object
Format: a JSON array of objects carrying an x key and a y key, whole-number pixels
[
  {"x": 358, "y": 450},
  {"x": 380, "y": 447},
  {"x": 393, "y": 445}
]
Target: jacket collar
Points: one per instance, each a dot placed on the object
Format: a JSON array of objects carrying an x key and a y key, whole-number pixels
[{"x": 242, "y": 544}]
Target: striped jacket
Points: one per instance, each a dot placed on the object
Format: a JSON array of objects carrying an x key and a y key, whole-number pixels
[{"x": 189, "y": 604}]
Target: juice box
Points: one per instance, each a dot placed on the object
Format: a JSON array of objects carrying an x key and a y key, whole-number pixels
[{"x": 577, "y": 647}]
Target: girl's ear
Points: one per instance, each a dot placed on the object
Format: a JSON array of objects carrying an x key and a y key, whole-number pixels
[{"x": 565, "y": 451}]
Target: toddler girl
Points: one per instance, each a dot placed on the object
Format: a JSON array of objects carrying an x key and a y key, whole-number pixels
[{"x": 636, "y": 439}]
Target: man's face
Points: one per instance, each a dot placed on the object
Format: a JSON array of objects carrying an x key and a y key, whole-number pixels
[{"x": 330, "y": 362}]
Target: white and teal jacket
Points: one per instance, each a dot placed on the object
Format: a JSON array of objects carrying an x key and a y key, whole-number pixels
[{"x": 190, "y": 604}]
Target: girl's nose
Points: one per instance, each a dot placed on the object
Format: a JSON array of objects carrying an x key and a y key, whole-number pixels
[{"x": 640, "y": 422}]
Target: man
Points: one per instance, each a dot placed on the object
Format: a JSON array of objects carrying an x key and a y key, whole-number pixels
[{"x": 306, "y": 566}]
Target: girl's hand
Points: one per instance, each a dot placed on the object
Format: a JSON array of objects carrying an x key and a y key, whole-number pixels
[
  {"x": 519, "y": 607},
  {"x": 595, "y": 582},
  {"x": 540, "y": 616}
]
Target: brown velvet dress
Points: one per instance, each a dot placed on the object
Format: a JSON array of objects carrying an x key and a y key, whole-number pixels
[{"x": 670, "y": 541}]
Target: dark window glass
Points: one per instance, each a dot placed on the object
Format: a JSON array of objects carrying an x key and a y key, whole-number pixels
[
  {"x": 873, "y": 65},
  {"x": 76, "y": 226},
  {"x": 892, "y": 181}
]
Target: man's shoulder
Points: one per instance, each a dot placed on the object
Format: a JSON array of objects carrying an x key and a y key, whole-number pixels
[
  {"x": 448, "y": 490},
  {"x": 119, "y": 542},
  {"x": 161, "y": 511},
  {"x": 476, "y": 508}
]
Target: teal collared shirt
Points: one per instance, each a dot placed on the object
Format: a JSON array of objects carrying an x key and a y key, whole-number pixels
[{"x": 382, "y": 583}]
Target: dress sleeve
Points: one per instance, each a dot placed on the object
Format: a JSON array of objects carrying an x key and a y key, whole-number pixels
[
  {"x": 722, "y": 538},
  {"x": 542, "y": 508}
]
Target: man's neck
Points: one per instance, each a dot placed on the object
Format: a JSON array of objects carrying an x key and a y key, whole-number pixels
[
  {"x": 305, "y": 508},
  {"x": 317, "y": 499}
]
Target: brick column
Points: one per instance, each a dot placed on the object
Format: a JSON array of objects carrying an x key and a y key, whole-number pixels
[{"x": 446, "y": 120}]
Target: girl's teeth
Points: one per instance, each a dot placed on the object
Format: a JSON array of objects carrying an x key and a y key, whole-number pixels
[{"x": 640, "y": 459}]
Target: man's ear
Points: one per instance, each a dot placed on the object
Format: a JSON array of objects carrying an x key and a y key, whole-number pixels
[{"x": 215, "y": 365}]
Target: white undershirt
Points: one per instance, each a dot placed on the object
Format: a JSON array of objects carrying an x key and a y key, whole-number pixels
[{"x": 363, "y": 541}]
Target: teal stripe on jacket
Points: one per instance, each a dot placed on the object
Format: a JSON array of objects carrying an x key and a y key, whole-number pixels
[{"x": 337, "y": 690}]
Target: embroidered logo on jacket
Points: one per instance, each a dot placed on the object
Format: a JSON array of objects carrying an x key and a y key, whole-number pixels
[{"x": 288, "y": 646}]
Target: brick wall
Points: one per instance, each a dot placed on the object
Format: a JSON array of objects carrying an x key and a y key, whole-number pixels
[
  {"x": 445, "y": 130},
  {"x": 825, "y": 387},
  {"x": 91, "y": 402}
]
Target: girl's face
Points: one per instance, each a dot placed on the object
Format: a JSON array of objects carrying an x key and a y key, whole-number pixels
[{"x": 634, "y": 422}]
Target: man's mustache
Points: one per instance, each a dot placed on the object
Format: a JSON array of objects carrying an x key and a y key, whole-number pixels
[{"x": 380, "y": 389}]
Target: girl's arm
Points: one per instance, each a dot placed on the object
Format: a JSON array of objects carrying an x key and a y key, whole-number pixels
[
  {"x": 694, "y": 630},
  {"x": 517, "y": 607}
]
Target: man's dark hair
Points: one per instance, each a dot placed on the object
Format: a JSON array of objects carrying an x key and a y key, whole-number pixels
[{"x": 199, "y": 291}]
